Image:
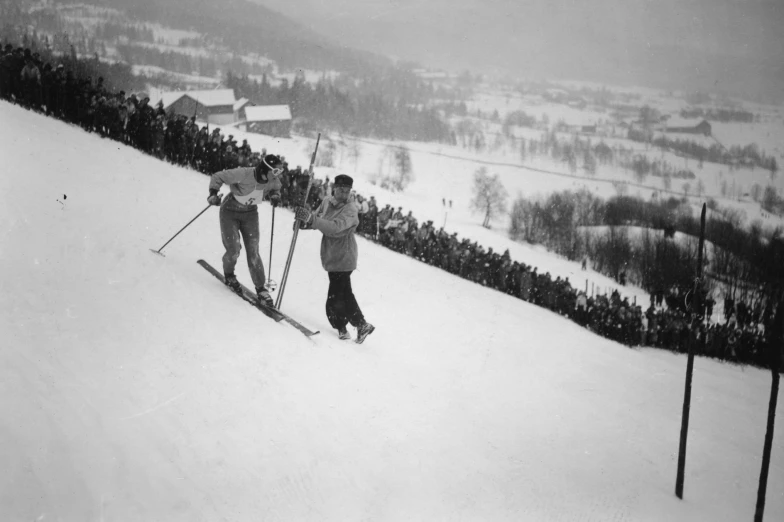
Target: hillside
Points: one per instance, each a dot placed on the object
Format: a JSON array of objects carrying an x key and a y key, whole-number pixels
[
  {"x": 135, "y": 387},
  {"x": 245, "y": 26}
]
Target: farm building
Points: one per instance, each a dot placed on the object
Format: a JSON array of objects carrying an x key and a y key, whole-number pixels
[
  {"x": 596, "y": 129},
  {"x": 216, "y": 106},
  {"x": 273, "y": 120},
  {"x": 686, "y": 126},
  {"x": 239, "y": 108}
]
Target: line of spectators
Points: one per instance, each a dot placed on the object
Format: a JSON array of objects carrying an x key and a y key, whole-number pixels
[{"x": 55, "y": 91}]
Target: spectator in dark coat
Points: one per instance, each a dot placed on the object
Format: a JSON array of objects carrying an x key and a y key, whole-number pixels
[{"x": 31, "y": 83}]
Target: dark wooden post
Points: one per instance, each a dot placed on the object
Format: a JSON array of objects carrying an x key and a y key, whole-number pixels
[
  {"x": 689, "y": 369},
  {"x": 774, "y": 351}
]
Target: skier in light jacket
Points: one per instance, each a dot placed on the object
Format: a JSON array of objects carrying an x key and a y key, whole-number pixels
[
  {"x": 337, "y": 219},
  {"x": 239, "y": 216}
]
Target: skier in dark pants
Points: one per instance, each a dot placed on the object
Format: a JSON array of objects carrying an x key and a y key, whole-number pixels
[
  {"x": 337, "y": 218},
  {"x": 239, "y": 216}
]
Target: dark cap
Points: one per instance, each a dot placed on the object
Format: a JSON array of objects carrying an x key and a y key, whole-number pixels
[
  {"x": 341, "y": 180},
  {"x": 270, "y": 161}
]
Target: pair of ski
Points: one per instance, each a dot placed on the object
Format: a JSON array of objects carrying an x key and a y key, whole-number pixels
[{"x": 252, "y": 299}]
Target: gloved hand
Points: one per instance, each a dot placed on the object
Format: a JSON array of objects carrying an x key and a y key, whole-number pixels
[
  {"x": 304, "y": 214},
  {"x": 214, "y": 199},
  {"x": 274, "y": 199}
]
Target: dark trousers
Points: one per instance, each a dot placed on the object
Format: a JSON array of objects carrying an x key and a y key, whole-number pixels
[
  {"x": 245, "y": 224},
  {"x": 342, "y": 307}
]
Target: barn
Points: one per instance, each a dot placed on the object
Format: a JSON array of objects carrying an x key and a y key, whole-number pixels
[
  {"x": 239, "y": 108},
  {"x": 215, "y": 106},
  {"x": 273, "y": 120},
  {"x": 686, "y": 126}
]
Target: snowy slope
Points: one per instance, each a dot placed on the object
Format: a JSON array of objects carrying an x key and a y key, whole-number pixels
[{"x": 135, "y": 387}]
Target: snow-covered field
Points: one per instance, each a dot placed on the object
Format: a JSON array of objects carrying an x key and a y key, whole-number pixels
[
  {"x": 136, "y": 387},
  {"x": 154, "y": 71},
  {"x": 716, "y": 178}
]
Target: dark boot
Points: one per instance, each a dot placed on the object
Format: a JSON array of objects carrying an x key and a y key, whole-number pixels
[
  {"x": 264, "y": 297},
  {"x": 231, "y": 282},
  {"x": 363, "y": 331}
]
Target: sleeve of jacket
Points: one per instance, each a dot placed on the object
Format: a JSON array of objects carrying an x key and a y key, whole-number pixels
[
  {"x": 273, "y": 186},
  {"x": 227, "y": 177},
  {"x": 319, "y": 210},
  {"x": 343, "y": 222}
]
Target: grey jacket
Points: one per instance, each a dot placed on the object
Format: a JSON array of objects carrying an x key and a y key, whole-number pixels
[{"x": 337, "y": 223}]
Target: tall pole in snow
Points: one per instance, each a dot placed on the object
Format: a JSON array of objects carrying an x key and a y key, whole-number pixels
[
  {"x": 774, "y": 349},
  {"x": 690, "y": 368}
]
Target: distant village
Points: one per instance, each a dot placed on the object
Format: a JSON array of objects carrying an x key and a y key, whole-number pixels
[{"x": 220, "y": 107}]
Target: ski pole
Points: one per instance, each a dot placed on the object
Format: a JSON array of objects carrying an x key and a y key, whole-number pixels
[
  {"x": 271, "y": 285},
  {"x": 285, "y": 277},
  {"x": 178, "y": 233}
]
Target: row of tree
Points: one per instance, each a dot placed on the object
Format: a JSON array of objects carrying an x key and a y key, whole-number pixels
[
  {"x": 736, "y": 155},
  {"x": 115, "y": 31},
  {"x": 566, "y": 223},
  {"x": 361, "y": 111},
  {"x": 584, "y": 153},
  {"x": 719, "y": 114}
]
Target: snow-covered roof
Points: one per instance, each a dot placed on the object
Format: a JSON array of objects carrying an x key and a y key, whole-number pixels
[
  {"x": 239, "y": 104},
  {"x": 210, "y": 98},
  {"x": 268, "y": 113}
]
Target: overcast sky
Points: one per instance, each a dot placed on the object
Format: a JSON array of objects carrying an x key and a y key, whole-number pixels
[{"x": 548, "y": 35}]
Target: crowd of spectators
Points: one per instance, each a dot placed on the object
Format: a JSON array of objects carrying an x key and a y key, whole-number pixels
[{"x": 57, "y": 92}]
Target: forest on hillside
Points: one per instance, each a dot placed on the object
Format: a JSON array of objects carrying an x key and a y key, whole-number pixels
[
  {"x": 361, "y": 109},
  {"x": 249, "y": 27},
  {"x": 581, "y": 225},
  {"x": 371, "y": 98}
]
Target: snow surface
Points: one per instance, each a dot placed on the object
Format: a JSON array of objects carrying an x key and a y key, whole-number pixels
[{"x": 136, "y": 387}]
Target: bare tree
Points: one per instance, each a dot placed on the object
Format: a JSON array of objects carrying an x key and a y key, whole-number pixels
[
  {"x": 770, "y": 199},
  {"x": 756, "y": 192},
  {"x": 522, "y": 220},
  {"x": 403, "y": 168},
  {"x": 489, "y": 196},
  {"x": 395, "y": 171},
  {"x": 326, "y": 153},
  {"x": 354, "y": 152},
  {"x": 589, "y": 162},
  {"x": 667, "y": 181},
  {"x": 621, "y": 188}
]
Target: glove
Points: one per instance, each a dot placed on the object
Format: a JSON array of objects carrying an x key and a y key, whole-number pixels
[
  {"x": 214, "y": 198},
  {"x": 274, "y": 199},
  {"x": 304, "y": 214}
]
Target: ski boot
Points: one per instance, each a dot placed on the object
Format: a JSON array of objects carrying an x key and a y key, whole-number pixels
[
  {"x": 231, "y": 282},
  {"x": 343, "y": 334},
  {"x": 264, "y": 297}
]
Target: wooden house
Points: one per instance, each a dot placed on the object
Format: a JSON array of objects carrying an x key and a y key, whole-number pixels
[
  {"x": 214, "y": 106},
  {"x": 272, "y": 120}
]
